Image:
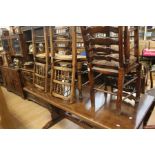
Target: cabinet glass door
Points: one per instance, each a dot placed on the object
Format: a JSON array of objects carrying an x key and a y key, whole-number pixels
[
  {"x": 5, "y": 45},
  {"x": 16, "y": 46}
]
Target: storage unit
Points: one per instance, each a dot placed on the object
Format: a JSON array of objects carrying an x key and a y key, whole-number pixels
[{"x": 12, "y": 80}]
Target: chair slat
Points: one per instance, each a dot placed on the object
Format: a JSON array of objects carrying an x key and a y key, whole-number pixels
[
  {"x": 101, "y": 29},
  {"x": 103, "y": 50},
  {"x": 102, "y": 41},
  {"x": 105, "y": 66},
  {"x": 108, "y": 58}
]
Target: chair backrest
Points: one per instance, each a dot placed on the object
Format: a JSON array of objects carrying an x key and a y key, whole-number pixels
[
  {"x": 63, "y": 68},
  {"x": 61, "y": 40},
  {"x": 115, "y": 46},
  {"x": 104, "y": 43},
  {"x": 131, "y": 44},
  {"x": 39, "y": 75}
]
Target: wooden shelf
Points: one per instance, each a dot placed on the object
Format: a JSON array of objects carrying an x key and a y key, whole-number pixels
[
  {"x": 37, "y": 27},
  {"x": 61, "y": 34},
  {"x": 65, "y": 40},
  {"x": 29, "y": 41},
  {"x": 37, "y": 42},
  {"x": 27, "y": 70},
  {"x": 17, "y": 55},
  {"x": 39, "y": 36}
]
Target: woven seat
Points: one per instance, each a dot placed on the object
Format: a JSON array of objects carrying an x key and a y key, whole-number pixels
[{"x": 113, "y": 63}]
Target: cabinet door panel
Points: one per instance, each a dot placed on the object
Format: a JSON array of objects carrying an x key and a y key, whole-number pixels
[
  {"x": 12, "y": 81},
  {"x": 17, "y": 83},
  {"x": 7, "y": 79}
]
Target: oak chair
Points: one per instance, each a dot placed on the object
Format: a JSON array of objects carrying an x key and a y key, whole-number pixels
[
  {"x": 66, "y": 62},
  {"x": 39, "y": 75},
  {"x": 109, "y": 52},
  {"x": 63, "y": 62},
  {"x": 40, "y": 41}
]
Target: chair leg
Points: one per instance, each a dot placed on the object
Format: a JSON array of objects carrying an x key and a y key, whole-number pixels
[
  {"x": 143, "y": 85},
  {"x": 120, "y": 88},
  {"x": 91, "y": 82},
  {"x": 138, "y": 83},
  {"x": 151, "y": 79},
  {"x": 79, "y": 80}
]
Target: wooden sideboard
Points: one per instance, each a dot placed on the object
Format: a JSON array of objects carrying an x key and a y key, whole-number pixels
[{"x": 12, "y": 80}]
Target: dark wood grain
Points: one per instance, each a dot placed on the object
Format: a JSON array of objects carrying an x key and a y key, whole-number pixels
[
  {"x": 12, "y": 80},
  {"x": 103, "y": 114}
]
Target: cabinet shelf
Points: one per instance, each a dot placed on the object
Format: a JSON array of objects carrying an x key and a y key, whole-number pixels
[
  {"x": 62, "y": 40},
  {"x": 37, "y": 42},
  {"x": 39, "y": 36},
  {"x": 29, "y": 41}
]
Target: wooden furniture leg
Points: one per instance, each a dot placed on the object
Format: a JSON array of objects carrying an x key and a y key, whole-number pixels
[
  {"x": 151, "y": 79},
  {"x": 79, "y": 79},
  {"x": 120, "y": 88},
  {"x": 138, "y": 83},
  {"x": 91, "y": 82},
  {"x": 56, "y": 116}
]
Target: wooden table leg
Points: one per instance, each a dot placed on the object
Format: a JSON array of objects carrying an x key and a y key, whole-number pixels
[{"x": 56, "y": 116}]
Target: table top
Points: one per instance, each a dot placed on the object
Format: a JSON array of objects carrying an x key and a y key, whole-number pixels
[{"x": 104, "y": 114}]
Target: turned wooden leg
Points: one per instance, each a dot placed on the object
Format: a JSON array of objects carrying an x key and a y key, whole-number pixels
[
  {"x": 120, "y": 88},
  {"x": 79, "y": 80},
  {"x": 138, "y": 83},
  {"x": 106, "y": 88},
  {"x": 143, "y": 85},
  {"x": 91, "y": 82}
]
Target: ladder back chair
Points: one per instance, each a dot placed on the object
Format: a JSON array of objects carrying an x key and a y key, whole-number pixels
[
  {"x": 40, "y": 40},
  {"x": 39, "y": 75},
  {"x": 108, "y": 51},
  {"x": 63, "y": 62}
]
